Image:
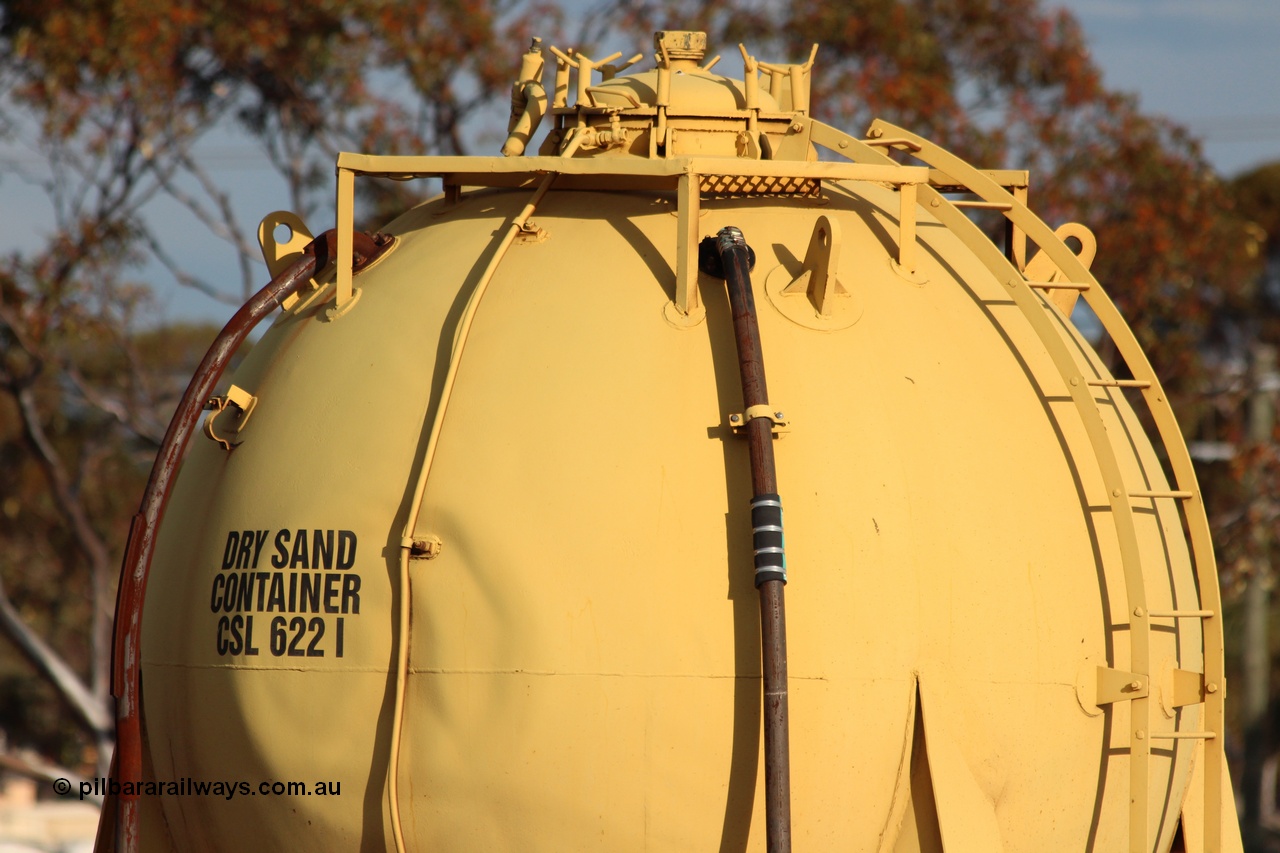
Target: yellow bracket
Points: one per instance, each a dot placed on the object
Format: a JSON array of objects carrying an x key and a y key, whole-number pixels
[
  {"x": 905, "y": 264},
  {"x": 816, "y": 298},
  {"x": 1182, "y": 687},
  {"x": 738, "y": 422},
  {"x": 1042, "y": 270},
  {"x": 239, "y": 399},
  {"x": 344, "y": 295},
  {"x": 688, "y": 200},
  {"x": 279, "y": 255},
  {"x": 685, "y": 173},
  {"x": 1115, "y": 685},
  {"x": 817, "y": 277}
]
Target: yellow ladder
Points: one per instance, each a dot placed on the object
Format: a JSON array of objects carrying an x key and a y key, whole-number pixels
[{"x": 1195, "y": 687}]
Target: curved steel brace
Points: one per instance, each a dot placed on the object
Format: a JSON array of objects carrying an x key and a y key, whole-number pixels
[{"x": 1170, "y": 436}]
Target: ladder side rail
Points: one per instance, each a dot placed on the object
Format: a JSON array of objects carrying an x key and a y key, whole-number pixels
[
  {"x": 1170, "y": 436},
  {"x": 1032, "y": 307}
]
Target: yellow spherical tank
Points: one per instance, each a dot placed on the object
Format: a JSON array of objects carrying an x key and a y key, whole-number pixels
[{"x": 468, "y": 564}]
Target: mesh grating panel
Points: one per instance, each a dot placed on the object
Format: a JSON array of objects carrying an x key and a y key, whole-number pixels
[{"x": 731, "y": 185}]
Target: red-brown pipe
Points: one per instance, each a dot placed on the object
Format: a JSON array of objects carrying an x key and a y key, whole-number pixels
[
  {"x": 126, "y": 660},
  {"x": 767, "y": 540}
]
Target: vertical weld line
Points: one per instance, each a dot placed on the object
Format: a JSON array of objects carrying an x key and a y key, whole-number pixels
[{"x": 415, "y": 509}]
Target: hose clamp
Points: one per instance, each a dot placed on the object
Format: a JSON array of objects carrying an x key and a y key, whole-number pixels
[{"x": 778, "y": 425}]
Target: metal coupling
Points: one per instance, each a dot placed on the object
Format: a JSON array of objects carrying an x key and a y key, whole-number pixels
[
  {"x": 709, "y": 249},
  {"x": 731, "y": 237},
  {"x": 767, "y": 539}
]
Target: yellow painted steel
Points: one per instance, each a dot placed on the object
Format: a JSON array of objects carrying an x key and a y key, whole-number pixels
[{"x": 1000, "y": 637}]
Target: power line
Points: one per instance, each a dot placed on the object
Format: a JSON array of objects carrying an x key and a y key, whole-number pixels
[{"x": 1236, "y": 128}]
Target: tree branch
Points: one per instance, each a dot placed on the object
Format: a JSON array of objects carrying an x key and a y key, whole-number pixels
[
  {"x": 32, "y": 766},
  {"x": 185, "y": 278},
  {"x": 86, "y": 537},
  {"x": 64, "y": 493},
  {"x": 122, "y": 414},
  {"x": 93, "y": 710},
  {"x": 245, "y": 250}
]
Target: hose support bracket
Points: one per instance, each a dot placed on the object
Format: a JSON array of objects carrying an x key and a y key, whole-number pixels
[{"x": 778, "y": 425}]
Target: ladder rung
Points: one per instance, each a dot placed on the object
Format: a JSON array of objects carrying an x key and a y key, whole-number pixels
[
  {"x": 1153, "y": 494},
  {"x": 984, "y": 205},
  {"x": 1059, "y": 285},
  {"x": 1183, "y": 735},
  {"x": 1119, "y": 383},
  {"x": 892, "y": 141},
  {"x": 1183, "y": 614}
]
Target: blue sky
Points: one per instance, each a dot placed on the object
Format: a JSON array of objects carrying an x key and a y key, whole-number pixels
[{"x": 1212, "y": 66}]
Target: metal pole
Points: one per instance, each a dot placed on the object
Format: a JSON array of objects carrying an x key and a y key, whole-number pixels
[
  {"x": 767, "y": 539},
  {"x": 1257, "y": 603}
]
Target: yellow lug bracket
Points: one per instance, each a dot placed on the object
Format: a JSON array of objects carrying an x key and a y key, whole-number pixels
[
  {"x": 278, "y": 255},
  {"x": 738, "y": 423},
  {"x": 1181, "y": 687},
  {"x": 817, "y": 278},
  {"x": 239, "y": 399},
  {"x": 1098, "y": 686},
  {"x": 1188, "y": 688},
  {"x": 815, "y": 298},
  {"x": 1115, "y": 685}
]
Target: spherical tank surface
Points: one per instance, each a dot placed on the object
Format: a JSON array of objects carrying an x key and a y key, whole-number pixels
[
  {"x": 469, "y": 562},
  {"x": 583, "y": 660}
]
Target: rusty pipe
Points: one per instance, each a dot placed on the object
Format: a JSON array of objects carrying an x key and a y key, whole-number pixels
[
  {"x": 735, "y": 261},
  {"x": 126, "y": 660}
]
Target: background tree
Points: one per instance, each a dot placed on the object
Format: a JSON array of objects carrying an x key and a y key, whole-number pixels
[
  {"x": 1238, "y": 424},
  {"x": 1011, "y": 85},
  {"x": 115, "y": 99},
  {"x": 112, "y": 100}
]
